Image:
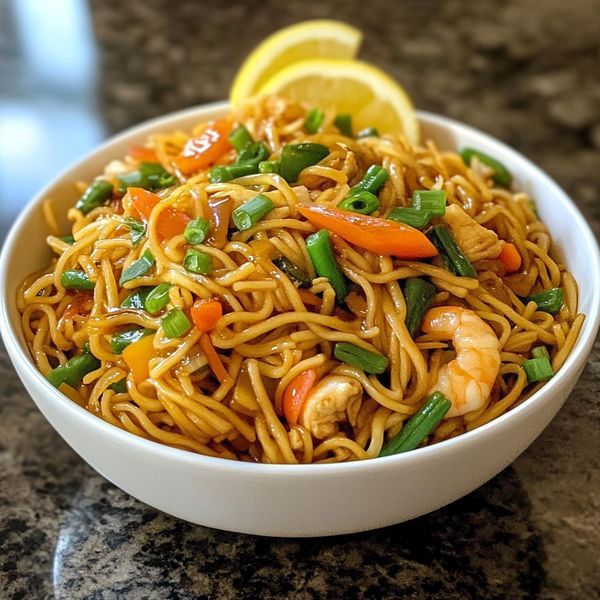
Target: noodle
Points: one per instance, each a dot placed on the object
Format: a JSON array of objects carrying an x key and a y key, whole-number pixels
[{"x": 223, "y": 393}]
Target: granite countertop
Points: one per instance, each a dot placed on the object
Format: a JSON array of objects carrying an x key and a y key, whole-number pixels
[{"x": 524, "y": 71}]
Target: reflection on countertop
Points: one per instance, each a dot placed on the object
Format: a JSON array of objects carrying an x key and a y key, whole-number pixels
[{"x": 69, "y": 77}]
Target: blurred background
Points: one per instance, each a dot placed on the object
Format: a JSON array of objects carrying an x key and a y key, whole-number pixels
[{"x": 74, "y": 72}]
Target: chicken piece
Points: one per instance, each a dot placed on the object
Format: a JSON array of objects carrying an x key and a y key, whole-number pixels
[
  {"x": 334, "y": 399},
  {"x": 476, "y": 241}
]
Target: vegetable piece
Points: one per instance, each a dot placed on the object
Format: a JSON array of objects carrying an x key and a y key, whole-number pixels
[
  {"x": 548, "y": 301},
  {"x": 76, "y": 280},
  {"x": 319, "y": 249},
  {"x": 81, "y": 303},
  {"x": 138, "y": 268},
  {"x": 170, "y": 222},
  {"x": 175, "y": 323},
  {"x": 137, "y": 300},
  {"x": 214, "y": 360},
  {"x": 196, "y": 230},
  {"x": 223, "y": 173},
  {"x": 137, "y": 356},
  {"x": 253, "y": 154},
  {"x": 419, "y": 426},
  {"x": 295, "y": 273},
  {"x": 295, "y": 394},
  {"x": 240, "y": 137},
  {"x": 460, "y": 264},
  {"x": 143, "y": 154},
  {"x": 120, "y": 387},
  {"x": 202, "y": 151},
  {"x": 433, "y": 201},
  {"x": 368, "y": 132},
  {"x": 419, "y": 294},
  {"x": 251, "y": 212},
  {"x": 343, "y": 122},
  {"x": 509, "y": 256},
  {"x": 74, "y": 370},
  {"x": 372, "y": 180},
  {"x": 310, "y": 299},
  {"x": 122, "y": 339},
  {"x": 369, "y": 362},
  {"x": 196, "y": 261},
  {"x": 68, "y": 239},
  {"x": 501, "y": 174},
  {"x": 314, "y": 120},
  {"x": 371, "y": 233},
  {"x": 296, "y": 157},
  {"x": 220, "y": 211},
  {"x": 538, "y": 369},
  {"x": 137, "y": 229},
  {"x": 540, "y": 352},
  {"x": 97, "y": 194},
  {"x": 149, "y": 176},
  {"x": 158, "y": 298},
  {"x": 362, "y": 202},
  {"x": 206, "y": 314},
  {"x": 419, "y": 219},
  {"x": 268, "y": 166}
]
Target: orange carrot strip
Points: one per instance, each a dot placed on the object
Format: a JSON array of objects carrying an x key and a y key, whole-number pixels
[
  {"x": 206, "y": 314},
  {"x": 214, "y": 360},
  {"x": 510, "y": 258},
  {"x": 143, "y": 154},
  {"x": 203, "y": 151},
  {"x": 295, "y": 394},
  {"x": 171, "y": 222}
]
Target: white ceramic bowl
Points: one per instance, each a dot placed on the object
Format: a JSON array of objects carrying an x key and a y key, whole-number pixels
[{"x": 301, "y": 500}]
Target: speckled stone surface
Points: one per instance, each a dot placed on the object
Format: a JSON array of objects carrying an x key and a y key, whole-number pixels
[{"x": 528, "y": 72}]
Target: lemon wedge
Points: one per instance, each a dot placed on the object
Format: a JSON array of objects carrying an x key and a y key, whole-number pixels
[
  {"x": 302, "y": 41},
  {"x": 371, "y": 96}
]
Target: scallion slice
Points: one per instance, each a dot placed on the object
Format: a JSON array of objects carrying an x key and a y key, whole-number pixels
[
  {"x": 251, "y": 212},
  {"x": 122, "y": 339},
  {"x": 138, "y": 268},
  {"x": 240, "y": 137},
  {"x": 149, "y": 176},
  {"x": 314, "y": 120},
  {"x": 501, "y": 174},
  {"x": 372, "y": 181},
  {"x": 97, "y": 194},
  {"x": 343, "y": 122},
  {"x": 319, "y": 249},
  {"x": 538, "y": 369},
  {"x": 362, "y": 202},
  {"x": 196, "y": 261},
  {"x": 137, "y": 299},
  {"x": 137, "y": 229},
  {"x": 196, "y": 230},
  {"x": 74, "y": 370},
  {"x": 419, "y": 219},
  {"x": 158, "y": 298},
  {"x": 175, "y": 323},
  {"x": 365, "y": 360},
  {"x": 549, "y": 301},
  {"x": 76, "y": 279},
  {"x": 419, "y": 294},
  {"x": 223, "y": 173},
  {"x": 446, "y": 244},
  {"x": 268, "y": 166},
  {"x": 433, "y": 201},
  {"x": 296, "y": 157}
]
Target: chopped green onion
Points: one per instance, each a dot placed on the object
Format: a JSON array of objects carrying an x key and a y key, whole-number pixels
[
  {"x": 68, "y": 239},
  {"x": 121, "y": 340},
  {"x": 540, "y": 352},
  {"x": 362, "y": 202},
  {"x": 97, "y": 194},
  {"x": 120, "y": 387},
  {"x": 314, "y": 120},
  {"x": 223, "y": 173},
  {"x": 368, "y": 132},
  {"x": 343, "y": 122},
  {"x": 137, "y": 229},
  {"x": 433, "y": 201},
  {"x": 137, "y": 300},
  {"x": 196, "y": 230},
  {"x": 373, "y": 179},
  {"x": 548, "y": 301},
  {"x": 369, "y": 362},
  {"x": 251, "y": 212},
  {"x": 501, "y": 174},
  {"x": 138, "y": 268},
  {"x": 76, "y": 280},
  {"x": 268, "y": 166},
  {"x": 240, "y": 137},
  {"x": 419, "y": 294},
  {"x": 149, "y": 176},
  {"x": 74, "y": 370},
  {"x": 294, "y": 272},
  {"x": 419, "y": 426},
  {"x": 296, "y": 157},
  {"x": 319, "y": 249},
  {"x": 538, "y": 369},
  {"x": 158, "y": 298},
  {"x": 446, "y": 244},
  {"x": 419, "y": 219},
  {"x": 253, "y": 154},
  {"x": 196, "y": 261},
  {"x": 175, "y": 323}
]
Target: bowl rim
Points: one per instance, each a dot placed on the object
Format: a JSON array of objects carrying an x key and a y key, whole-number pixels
[{"x": 575, "y": 361}]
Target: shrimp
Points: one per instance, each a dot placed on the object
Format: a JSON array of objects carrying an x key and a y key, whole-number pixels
[{"x": 468, "y": 379}]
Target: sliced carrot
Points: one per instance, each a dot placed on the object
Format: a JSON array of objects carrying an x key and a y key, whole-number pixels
[
  {"x": 137, "y": 356},
  {"x": 171, "y": 222},
  {"x": 81, "y": 304},
  {"x": 203, "y": 151},
  {"x": 143, "y": 154},
  {"x": 510, "y": 257},
  {"x": 310, "y": 298},
  {"x": 206, "y": 314},
  {"x": 295, "y": 394},
  {"x": 220, "y": 213},
  {"x": 214, "y": 360},
  {"x": 371, "y": 233}
]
